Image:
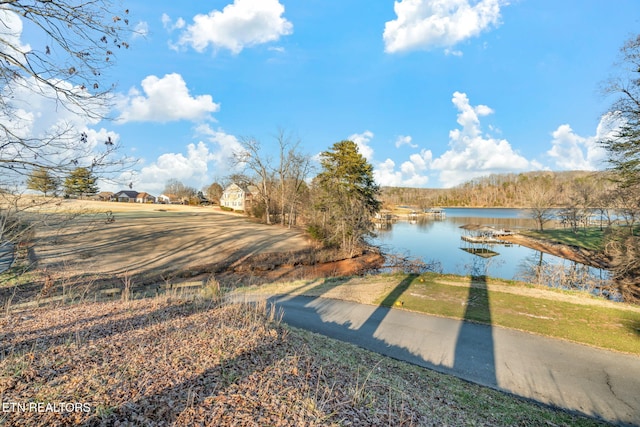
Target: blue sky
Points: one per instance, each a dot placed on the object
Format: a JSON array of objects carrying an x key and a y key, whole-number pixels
[{"x": 434, "y": 92}]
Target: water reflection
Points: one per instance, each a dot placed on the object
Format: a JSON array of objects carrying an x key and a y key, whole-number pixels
[
  {"x": 484, "y": 259},
  {"x": 440, "y": 240},
  {"x": 566, "y": 275}
]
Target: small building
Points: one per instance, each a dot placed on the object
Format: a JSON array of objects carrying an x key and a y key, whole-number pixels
[
  {"x": 383, "y": 216},
  {"x": 125, "y": 196},
  {"x": 145, "y": 198},
  {"x": 476, "y": 233},
  {"x": 237, "y": 197},
  {"x": 435, "y": 212},
  {"x": 169, "y": 199},
  {"x": 104, "y": 196}
]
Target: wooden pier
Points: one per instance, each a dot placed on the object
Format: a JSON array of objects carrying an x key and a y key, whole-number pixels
[
  {"x": 483, "y": 234},
  {"x": 435, "y": 212},
  {"x": 484, "y": 240}
]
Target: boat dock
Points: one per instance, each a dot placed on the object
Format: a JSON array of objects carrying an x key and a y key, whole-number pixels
[
  {"x": 483, "y": 239},
  {"x": 435, "y": 212},
  {"x": 484, "y": 234}
]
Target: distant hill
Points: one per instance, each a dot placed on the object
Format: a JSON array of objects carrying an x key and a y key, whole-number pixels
[{"x": 509, "y": 190}]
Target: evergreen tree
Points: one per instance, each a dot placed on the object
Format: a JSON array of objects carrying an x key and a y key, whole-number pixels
[
  {"x": 81, "y": 182},
  {"x": 347, "y": 196},
  {"x": 623, "y": 245},
  {"x": 42, "y": 180},
  {"x": 623, "y": 145}
]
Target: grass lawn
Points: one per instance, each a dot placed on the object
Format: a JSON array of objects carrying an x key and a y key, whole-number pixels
[
  {"x": 600, "y": 326},
  {"x": 588, "y": 238},
  {"x": 570, "y": 315}
]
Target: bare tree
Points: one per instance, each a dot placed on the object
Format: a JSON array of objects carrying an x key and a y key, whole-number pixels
[
  {"x": 286, "y": 149},
  {"x": 280, "y": 181},
  {"x": 74, "y": 43},
  {"x": 299, "y": 169},
  {"x": 252, "y": 158},
  {"x": 61, "y": 62},
  {"x": 213, "y": 192},
  {"x": 292, "y": 170},
  {"x": 177, "y": 188},
  {"x": 539, "y": 193}
]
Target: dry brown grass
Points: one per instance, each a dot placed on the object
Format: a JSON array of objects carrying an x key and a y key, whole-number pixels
[{"x": 168, "y": 361}]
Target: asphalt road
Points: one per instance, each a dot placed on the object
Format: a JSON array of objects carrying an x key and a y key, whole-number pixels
[
  {"x": 595, "y": 382},
  {"x": 6, "y": 256}
]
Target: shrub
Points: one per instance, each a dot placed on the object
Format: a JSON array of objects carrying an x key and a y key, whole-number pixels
[
  {"x": 316, "y": 232},
  {"x": 258, "y": 210}
]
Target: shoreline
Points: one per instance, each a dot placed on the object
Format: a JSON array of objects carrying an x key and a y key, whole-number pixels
[{"x": 571, "y": 253}]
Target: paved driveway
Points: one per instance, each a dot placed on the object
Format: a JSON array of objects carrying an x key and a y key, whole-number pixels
[{"x": 592, "y": 381}]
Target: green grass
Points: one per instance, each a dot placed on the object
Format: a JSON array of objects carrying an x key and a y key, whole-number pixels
[
  {"x": 588, "y": 238},
  {"x": 597, "y": 325},
  {"x": 571, "y": 315}
]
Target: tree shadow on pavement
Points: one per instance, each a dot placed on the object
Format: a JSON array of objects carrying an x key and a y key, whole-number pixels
[
  {"x": 474, "y": 350},
  {"x": 464, "y": 348}
]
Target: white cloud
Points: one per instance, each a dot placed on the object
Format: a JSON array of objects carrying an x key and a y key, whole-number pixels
[
  {"x": 190, "y": 168},
  {"x": 243, "y": 23},
  {"x": 225, "y": 144},
  {"x": 196, "y": 167},
  {"x": 472, "y": 154},
  {"x": 362, "y": 141},
  {"x": 165, "y": 99},
  {"x": 169, "y": 25},
  {"x": 386, "y": 175},
  {"x": 454, "y": 52},
  {"x": 412, "y": 173},
  {"x": 141, "y": 30},
  {"x": 404, "y": 140},
  {"x": 425, "y": 24},
  {"x": 38, "y": 108},
  {"x": 571, "y": 151},
  {"x": 11, "y": 33},
  {"x": 97, "y": 137},
  {"x": 35, "y": 115},
  {"x": 35, "y": 110}
]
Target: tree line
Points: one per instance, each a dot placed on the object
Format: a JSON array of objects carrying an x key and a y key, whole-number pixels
[
  {"x": 573, "y": 197},
  {"x": 521, "y": 190},
  {"x": 336, "y": 206}
]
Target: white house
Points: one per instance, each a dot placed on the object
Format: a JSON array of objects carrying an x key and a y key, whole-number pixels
[
  {"x": 238, "y": 198},
  {"x": 169, "y": 199},
  {"x": 145, "y": 198}
]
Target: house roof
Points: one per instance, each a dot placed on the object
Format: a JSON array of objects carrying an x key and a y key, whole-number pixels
[
  {"x": 476, "y": 227},
  {"x": 249, "y": 189},
  {"x": 144, "y": 195},
  {"x": 128, "y": 193},
  {"x": 169, "y": 196}
]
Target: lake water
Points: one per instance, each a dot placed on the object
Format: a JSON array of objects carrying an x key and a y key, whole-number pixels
[{"x": 438, "y": 242}]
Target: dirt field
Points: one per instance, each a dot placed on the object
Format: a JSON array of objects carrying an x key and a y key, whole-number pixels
[{"x": 146, "y": 239}]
